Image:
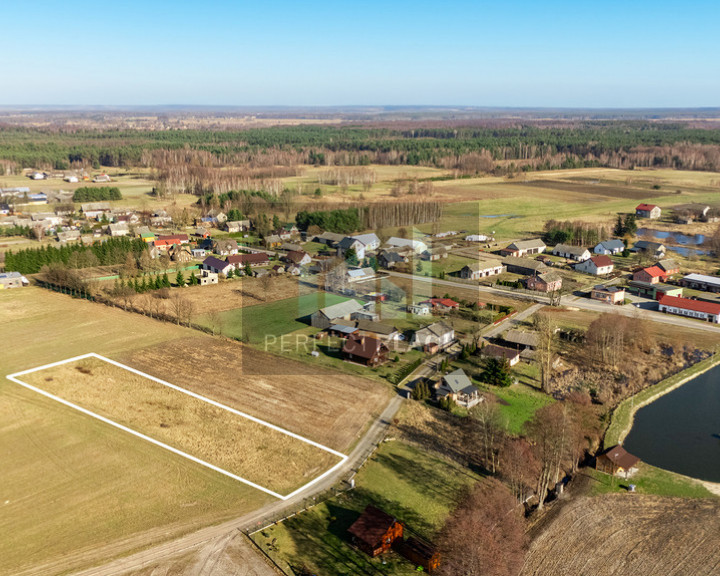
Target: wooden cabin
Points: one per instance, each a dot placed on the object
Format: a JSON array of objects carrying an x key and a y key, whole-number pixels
[
  {"x": 375, "y": 531},
  {"x": 617, "y": 461},
  {"x": 420, "y": 553}
]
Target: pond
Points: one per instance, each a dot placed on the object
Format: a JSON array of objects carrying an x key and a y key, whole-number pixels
[
  {"x": 680, "y": 431},
  {"x": 694, "y": 240}
]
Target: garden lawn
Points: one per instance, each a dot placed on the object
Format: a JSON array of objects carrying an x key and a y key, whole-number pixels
[
  {"x": 256, "y": 323},
  {"x": 650, "y": 480},
  {"x": 412, "y": 485}
]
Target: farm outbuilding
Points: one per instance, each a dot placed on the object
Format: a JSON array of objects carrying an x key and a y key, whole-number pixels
[{"x": 617, "y": 461}]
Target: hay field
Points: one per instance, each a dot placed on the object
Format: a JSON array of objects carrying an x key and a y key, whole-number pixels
[
  {"x": 327, "y": 407},
  {"x": 264, "y": 456},
  {"x": 619, "y": 535}
]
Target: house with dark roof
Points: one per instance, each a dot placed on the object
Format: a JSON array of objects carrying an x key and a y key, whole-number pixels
[
  {"x": 350, "y": 243},
  {"x": 493, "y": 351},
  {"x": 435, "y": 253},
  {"x": 391, "y": 258},
  {"x": 524, "y": 266},
  {"x": 522, "y": 339},
  {"x": 669, "y": 266},
  {"x": 365, "y": 350},
  {"x": 254, "y": 259},
  {"x": 608, "y": 294},
  {"x": 597, "y": 266},
  {"x": 648, "y": 211},
  {"x": 617, "y": 461},
  {"x": 375, "y": 531},
  {"x": 458, "y": 386},
  {"x": 297, "y": 257},
  {"x": 213, "y": 264},
  {"x": 654, "y": 249},
  {"x": 609, "y": 247}
]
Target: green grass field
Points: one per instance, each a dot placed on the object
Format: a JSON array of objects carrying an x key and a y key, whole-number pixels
[
  {"x": 406, "y": 482},
  {"x": 256, "y": 323},
  {"x": 649, "y": 480}
]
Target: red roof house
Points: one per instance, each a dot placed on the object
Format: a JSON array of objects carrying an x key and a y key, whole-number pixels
[
  {"x": 708, "y": 311},
  {"x": 651, "y": 275},
  {"x": 442, "y": 303}
]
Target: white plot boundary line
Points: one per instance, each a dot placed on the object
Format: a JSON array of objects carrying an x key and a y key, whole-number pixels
[{"x": 343, "y": 458}]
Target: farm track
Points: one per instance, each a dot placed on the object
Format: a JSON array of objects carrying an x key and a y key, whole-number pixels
[{"x": 618, "y": 535}]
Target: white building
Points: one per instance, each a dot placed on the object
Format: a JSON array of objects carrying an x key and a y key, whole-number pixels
[{"x": 416, "y": 245}]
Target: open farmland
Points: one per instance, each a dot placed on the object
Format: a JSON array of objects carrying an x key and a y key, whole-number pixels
[
  {"x": 262, "y": 455},
  {"x": 616, "y": 535},
  {"x": 134, "y": 494}
]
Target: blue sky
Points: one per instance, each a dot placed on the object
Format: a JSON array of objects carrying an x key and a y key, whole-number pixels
[{"x": 634, "y": 53}]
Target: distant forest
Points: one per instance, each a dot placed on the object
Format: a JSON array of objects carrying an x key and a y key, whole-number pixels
[{"x": 619, "y": 143}]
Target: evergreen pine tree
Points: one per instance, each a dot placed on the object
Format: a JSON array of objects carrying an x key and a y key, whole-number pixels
[{"x": 180, "y": 278}]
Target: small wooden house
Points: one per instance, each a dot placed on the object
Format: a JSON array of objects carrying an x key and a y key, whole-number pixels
[
  {"x": 617, "y": 461},
  {"x": 365, "y": 350},
  {"x": 375, "y": 531}
]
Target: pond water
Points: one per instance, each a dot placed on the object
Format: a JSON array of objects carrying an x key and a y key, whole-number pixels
[
  {"x": 677, "y": 237},
  {"x": 680, "y": 431},
  {"x": 685, "y": 251}
]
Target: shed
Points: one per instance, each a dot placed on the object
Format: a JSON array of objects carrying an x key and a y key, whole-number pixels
[{"x": 375, "y": 531}]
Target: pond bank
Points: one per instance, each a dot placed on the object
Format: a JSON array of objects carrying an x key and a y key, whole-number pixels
[{"x": 623, "y": 416}]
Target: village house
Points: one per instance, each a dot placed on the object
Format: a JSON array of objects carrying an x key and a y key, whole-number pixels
[
  {"x": 290, "y": 247},
  {"x": 458, "y": 386},
  {"x": 609, "y": 247},
  {"x": 201, "y": 232},
  {"x": 648, "y": 211},
  {"x": 441, "y": 304},
  {"x": 369, "y": 241},
  {"x": 577, "y": 253},
  {"x": 119, "y": 229},
  {"x": 548, "y": 282},
  {"x": 328, "y": 316},
  {"x": 297, "y": 257},
  {"x": 242, "y": 260},
  {"x": 367, "y": 327},
  {"x": 160, "y": 218},
  {"x": 608, "y": 294},
  {"x": 669, "y": 266},
  {"x": 217, "y": 266},
  {"x": 293, "y": 270},
  {"x": 434, "y": 338},
  {"x": 206, "y": 277},
  {"x": 278, "y": 269},
  {"x": 523, "y": 247},
  {"x": 597, "y": 266},
  {"x": 237, "y": 226},
  {"x": 522, "y": 340},
  {"x": 375, "y": 531},
  {"x": 651, "y": 275},
  {"x": 617, "y": 461},
  {"x": 68, "y": 235},
  {"x": 329, "y": 239},
  {"x": 689, "y": 213},
  {"x": 419, "y": 309},
  {"x": 214, "y": 217},
  {"x": 481, "y": 269},
  {"x": 360, "y": 274},
  {"x": 12, "y": 280},
  {"x": 434, "y": 253},
  {"x": 163, "y": 243},
  {"x": 524, "y": 266},
  {"x": 272, "y": 241},
  {"x": 416, "y": 245},
  {"x": 654, "y": 249},
  {"x": 365, "y": 350},
  {"x": 101, "y": 178},
  {"x": 493, "y": 351},
  {"x": 198, "y": 253},
  {"x": 707, "y": 311},
  {"x": 701, "y": 282},
  {"x": 350, "y": 243},
  {"x": 95, "y": 210},
  {"x": 477, "y": 238},
  {"x": 390, "y": 258},
  {"x": 180, "y": 253},
  {"x": 225, "y": 247}
]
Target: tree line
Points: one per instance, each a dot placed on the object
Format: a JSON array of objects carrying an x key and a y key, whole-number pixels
[{"x": 88, "y": 194}]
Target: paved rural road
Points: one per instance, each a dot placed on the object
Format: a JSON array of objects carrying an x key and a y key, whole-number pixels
[
  {"x": 577, "y": 302},
  {"x": 192, "y": 541}
]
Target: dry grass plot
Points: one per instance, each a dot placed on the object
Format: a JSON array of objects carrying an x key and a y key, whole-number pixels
[
  {"x": 258, "y": 453},
  {"x": 622, "y": 535}
]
